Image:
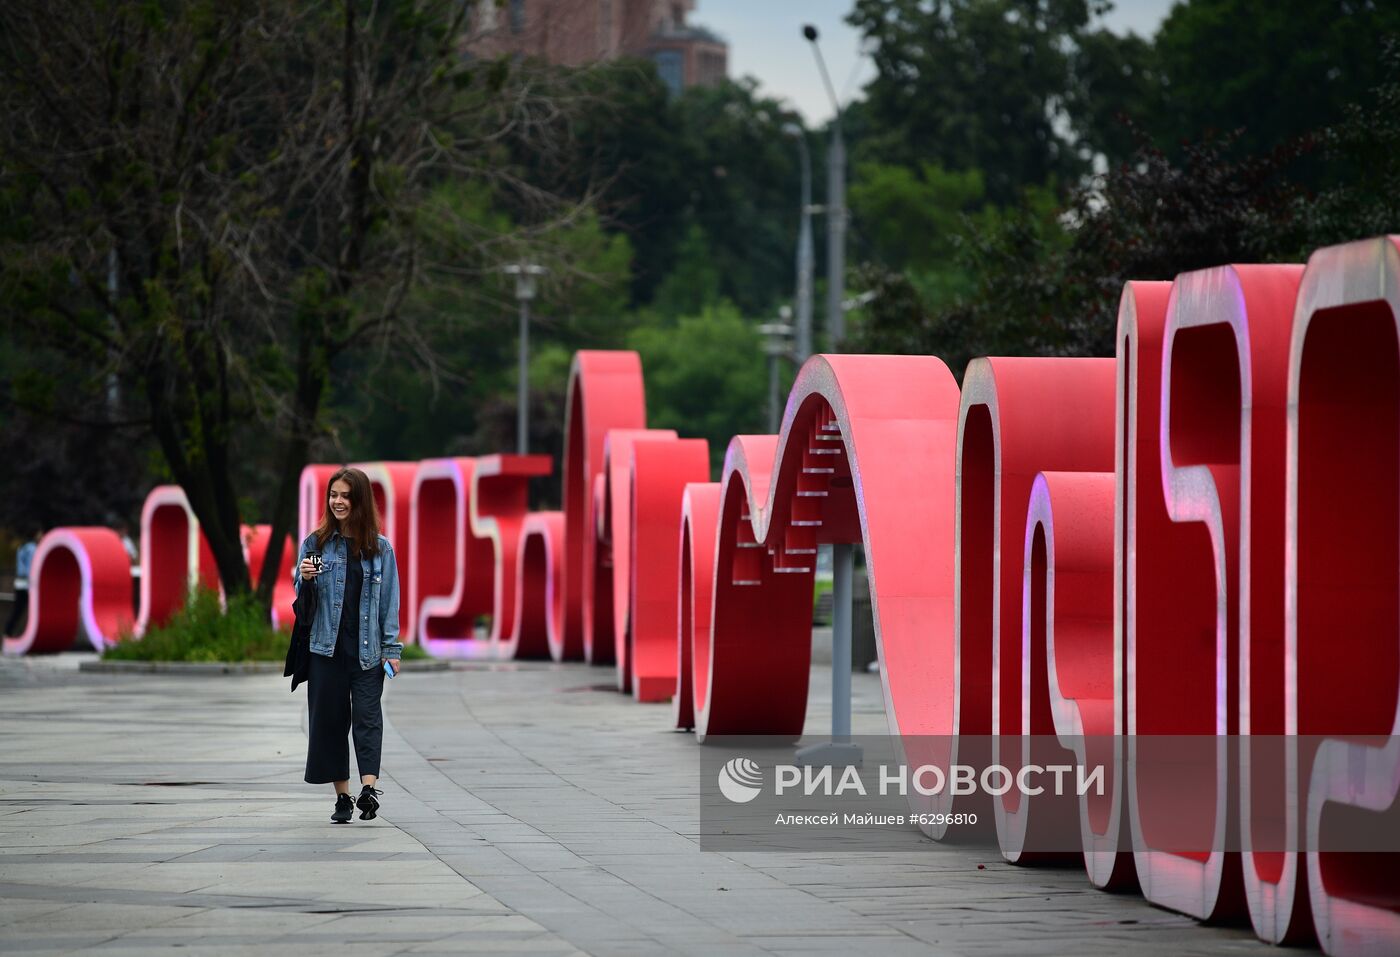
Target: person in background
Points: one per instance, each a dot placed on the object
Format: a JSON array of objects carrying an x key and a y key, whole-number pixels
[{"x": 24, "y": 561}]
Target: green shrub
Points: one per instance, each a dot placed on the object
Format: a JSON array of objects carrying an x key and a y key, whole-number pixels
[{"x": 206, "y": 631}]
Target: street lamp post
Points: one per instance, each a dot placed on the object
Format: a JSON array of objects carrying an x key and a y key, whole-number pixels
[
  {"x": 777, "y": 345},
  {"x": 526, "y": 285},
  {"x": 839, "y": 750},
  {"x": 803, "y": 346},
  {"x": 835, "y": 209}
]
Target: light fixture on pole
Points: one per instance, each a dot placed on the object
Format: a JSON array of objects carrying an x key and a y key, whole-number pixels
[
  {"x": 803, "y": 346},
  {"x": 835, "y": 209},
  {"x": 777, "y": 344},
  {"x": 526, "y": 287}
]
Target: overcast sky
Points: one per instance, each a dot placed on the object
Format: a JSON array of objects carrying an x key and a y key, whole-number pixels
[{"x": 765, "y": 41}]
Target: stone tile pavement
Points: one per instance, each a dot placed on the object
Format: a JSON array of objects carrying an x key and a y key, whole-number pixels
[{"x": 528, "y": 809}]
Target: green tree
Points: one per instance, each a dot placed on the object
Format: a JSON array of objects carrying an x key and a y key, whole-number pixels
[
  {"x": 1046, "y": 279},
  {"x": 220, "y": 205},
  {"x": 706, "y": 376},
  {"x": 910, "y": 217},
  {"x": 1273, "y": 71},
  {"x": 740, "y": 181},
  {"x": 974, "y": 85}
]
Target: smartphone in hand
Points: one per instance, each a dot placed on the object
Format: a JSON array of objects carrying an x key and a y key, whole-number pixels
[{"x": 388, "y": 668}]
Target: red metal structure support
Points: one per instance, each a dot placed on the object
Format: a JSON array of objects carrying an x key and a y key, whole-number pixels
[
  {"x": 699, "y": 524},
  {"x": 607, "y": 641},
  {"x": 175, "y": 558},
  {"x": 1224, "y": 356},
  {"x": 1068, "y": 647},
  {"x": 659, "y": 475},
  {"x": 864, "y": 455},
  {"x": 605, "y": 392},
  {"x": 1017, "y": 417},
  {"x": 1342, "y": 566},
  {"x": 449, "y": 571},
  {"x": 539, "y": 565}
]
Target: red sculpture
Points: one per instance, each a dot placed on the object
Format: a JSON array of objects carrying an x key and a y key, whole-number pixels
[
  {"x": 605, "y": 392},
  {"x": 450, "y": 572},
  {"x": 1068, "y": 653},
  {"x": 660, "y": 473},
  {"x": 606, "y": 642},
  {"x": 256, "y": 539},
  {"x": 1220, "y": 557},
  {"x": 1223, "y": 356},
  {"x": 538, "y": 596},
  {"x": 1340, "y": 612},
  {"x": 497, "y": 505},
  {"x": 79, "y": 577},
  {"x": 699, "y": 524},
  {"x": 864, "y": 454},
  {"x": 1017, "y": 417},
  {"x": 175, "y": 557}
]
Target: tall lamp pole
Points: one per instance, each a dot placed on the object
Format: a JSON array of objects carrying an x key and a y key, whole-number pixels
[
  {"x": 840, "y": 750},
  {"x": 803, "y": 346},
  {"x": 526, "y": 285},
  {"x": 777, "y": 344},
  {"x": 835, "y": 209}
]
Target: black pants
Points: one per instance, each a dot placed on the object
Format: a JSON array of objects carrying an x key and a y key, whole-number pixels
[
  {"x": 18, "y": 610},
  {"x": 341, "y": 697}
]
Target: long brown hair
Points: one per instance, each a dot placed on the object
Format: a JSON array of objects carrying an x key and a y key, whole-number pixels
[{"x": 363, "y": 524}]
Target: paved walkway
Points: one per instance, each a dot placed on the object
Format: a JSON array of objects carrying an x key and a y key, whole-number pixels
[{"x": 528, "y": 809}]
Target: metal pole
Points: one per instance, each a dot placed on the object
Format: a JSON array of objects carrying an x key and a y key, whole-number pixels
[
  {"x": 772, "y": 393},
  {"x": 805, "y": 258},
  {"x": 842, "y": 570},
  {"x": 836, "y": 238},
  {"x": 835, "y": 209},
  {"x": 522, "y": 402}
]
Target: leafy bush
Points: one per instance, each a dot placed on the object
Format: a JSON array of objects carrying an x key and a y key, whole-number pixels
[{"x": 206, "y": 631}]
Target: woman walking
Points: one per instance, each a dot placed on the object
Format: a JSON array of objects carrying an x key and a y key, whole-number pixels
[{"x": 354, "y": 640}]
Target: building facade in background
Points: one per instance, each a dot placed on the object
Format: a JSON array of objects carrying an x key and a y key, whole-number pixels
[{"x": 574, "y": 32}]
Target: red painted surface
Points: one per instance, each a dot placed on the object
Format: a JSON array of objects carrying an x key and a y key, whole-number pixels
[
  {"x": 1017, "y": 417},
  {"x": 1224, "y": 360},
  {"x": 256, "y": 539},
  {"x": 605, "y": 392},
  {"x": 175, "y": 556},
  {"x": 497, "y": 507},
  {"x": 80, "y": 577},
  {"x": 450, "y": 572},
  {"x": 699, "y": 525},
  {"x": 606, "y": 642},
  {"x": 538, "y": 597},
  {"x": 1067, "y": 655},
  {"x": 864, "y": 455},
  {"x": 1340, "y": 609},
  {"x": 660, "y": 472}
]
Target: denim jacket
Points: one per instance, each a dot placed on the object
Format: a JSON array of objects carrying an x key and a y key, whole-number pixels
[{"x": 379, "y": 600}]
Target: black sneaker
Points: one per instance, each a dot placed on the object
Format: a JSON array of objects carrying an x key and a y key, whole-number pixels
[
  {"x": 344, "y": 809},
  {"x": 367, "y": 803}
]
